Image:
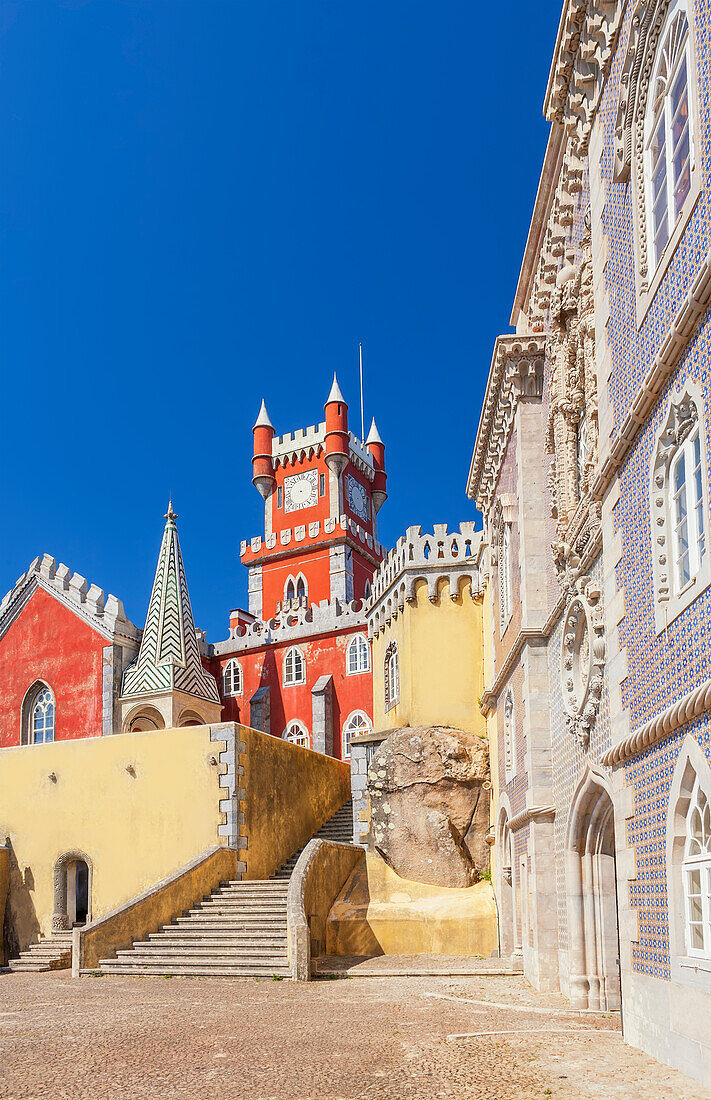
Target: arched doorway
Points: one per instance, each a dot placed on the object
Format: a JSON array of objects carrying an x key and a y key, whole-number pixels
[
  {"x": 592, "y": 897},
  {"x": 72, "y": 891},
  {"x": 507, "y": 890}
]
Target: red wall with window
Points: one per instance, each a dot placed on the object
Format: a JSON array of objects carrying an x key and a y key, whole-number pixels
[{"x": 49, "y": 642}]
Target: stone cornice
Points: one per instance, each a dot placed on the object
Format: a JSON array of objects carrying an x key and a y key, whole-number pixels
[
  {"x": 680, "y": 331},
  {"x": 687, "y": 708},
  {"x": 531, "y": 813},
  {"x": 550, "y": 174},
  {"x": 293, "y": 626},
  {"x": 516, "y": 371}
]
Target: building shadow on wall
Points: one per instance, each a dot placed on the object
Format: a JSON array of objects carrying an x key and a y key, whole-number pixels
[{"x": 20, "y": 926}]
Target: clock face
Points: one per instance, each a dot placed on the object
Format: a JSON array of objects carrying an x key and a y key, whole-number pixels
[
  {"x": 357, "y": 498},
  {"x": 301, "y": 491}
]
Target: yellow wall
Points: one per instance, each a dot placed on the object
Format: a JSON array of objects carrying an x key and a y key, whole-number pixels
[
  {"x": 135, "y": 829},
  {"x": 441, "y": 662},
  {"x": 291, "y": 792}
]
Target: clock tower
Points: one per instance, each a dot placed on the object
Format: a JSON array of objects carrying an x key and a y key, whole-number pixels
[{"x": 322, "y": 489}]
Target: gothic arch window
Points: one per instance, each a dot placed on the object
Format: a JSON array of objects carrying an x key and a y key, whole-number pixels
[
  {"x": 297, "y": 733},
  {"x": 357, "y": 655},
  {"x": 232, "y": 678},
  {"x": 289, "y": 590},
  {"x": 356, "y": 724},
  {"x": 294, "y": 667},
  {"x": 38, "y": 715},
  {"x": 392, "y": 676},
  {"x": 656, "y": 135},
  {"x": 679, "y": 507},
  {"x": 301, "y": 588},
  {"x": 504, "y": 564},
  {"x": 509, "y": 736},
  {"x": 689, "y": 867},
  {"x": 296, "y": 591}
]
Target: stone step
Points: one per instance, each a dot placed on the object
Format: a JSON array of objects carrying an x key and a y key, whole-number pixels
[
  {"x": 266, "y": 905},
  {"x": 231, "y": 924},
  {"x": 152, "y": 954},
  {"x": 217, "y": 942},
  {"x": 269, "y": 890},
  {"x": 198, "y": 970}
]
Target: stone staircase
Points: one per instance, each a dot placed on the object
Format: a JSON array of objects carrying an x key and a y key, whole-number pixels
[
  {"x": 51, "y": 953},
  {"x": 238, "y": 931}
]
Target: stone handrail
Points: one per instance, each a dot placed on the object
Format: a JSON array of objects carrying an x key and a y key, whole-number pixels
[
  {"x": 319, "y": 876},
  {"x": 147, "y": 912}
]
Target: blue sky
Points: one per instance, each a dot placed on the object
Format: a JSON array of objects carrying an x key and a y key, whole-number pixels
[{"x": 203, "y": 202}]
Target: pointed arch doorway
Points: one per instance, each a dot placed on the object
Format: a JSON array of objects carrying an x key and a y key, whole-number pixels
[{"x": 592, "y": 897}]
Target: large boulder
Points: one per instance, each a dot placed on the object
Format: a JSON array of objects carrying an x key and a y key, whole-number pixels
[{"x": 429, "y": 808}]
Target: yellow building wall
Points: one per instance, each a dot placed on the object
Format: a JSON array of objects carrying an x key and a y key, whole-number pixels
[
  {"x": 441, "y": 655},
  {"x": 136, "y": 826}
]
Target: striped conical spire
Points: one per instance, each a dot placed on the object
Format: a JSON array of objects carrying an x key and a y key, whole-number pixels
[{"x": 169, "y": 657}]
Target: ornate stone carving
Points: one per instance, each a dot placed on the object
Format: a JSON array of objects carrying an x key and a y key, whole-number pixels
[{"x": 583, "y": 660}]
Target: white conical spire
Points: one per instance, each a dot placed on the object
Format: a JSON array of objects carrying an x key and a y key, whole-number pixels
[
  {"x": 335, "y": 394},
  {"x": 374, "y": 435},
  {"x": 263, "y": 420}
]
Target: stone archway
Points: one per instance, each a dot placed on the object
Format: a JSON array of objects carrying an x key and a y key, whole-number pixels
[
  {"x": 592, "y": 897},
  {"x": 508, "y": 925},
  {"x": 73, "y": 874}
]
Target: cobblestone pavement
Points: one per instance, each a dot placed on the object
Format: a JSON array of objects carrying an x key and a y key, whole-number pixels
[{"x": 389, "y": 1038}]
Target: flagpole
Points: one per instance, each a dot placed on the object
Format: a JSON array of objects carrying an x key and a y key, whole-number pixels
[{"x": 362, "y": 421}]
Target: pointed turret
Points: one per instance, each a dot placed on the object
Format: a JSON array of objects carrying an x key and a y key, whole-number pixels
[
  {"x": 337, "y": 439},
  {"x": 167, "y": 679},
  {"x": 262, "y": 466},
  {"x": 377, "y": 450}
]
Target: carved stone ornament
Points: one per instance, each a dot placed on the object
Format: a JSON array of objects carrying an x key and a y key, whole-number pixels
[
  {"x": 681, "y": 421},
  {"x": 582, "y": 660}
]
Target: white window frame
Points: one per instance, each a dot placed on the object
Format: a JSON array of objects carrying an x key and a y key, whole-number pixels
[
  {"x": 698, "y": 864},
  {"x": 297, "y": 724},
  {"x": 290, "y": 676},
  {"x": 358, "y": 643},
  {"x": 347, "y": 732},
  {"x": 27, "y": 717},
  {"x": 391, "y": 677},
  {"x": 232, "y": 670},
  {"x": 689, "y": 966}
]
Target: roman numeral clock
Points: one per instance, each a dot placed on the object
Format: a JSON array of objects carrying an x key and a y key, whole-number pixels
[{"x": 301, "y": 491}]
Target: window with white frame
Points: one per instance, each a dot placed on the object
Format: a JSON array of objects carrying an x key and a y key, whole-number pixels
[
  {"x": 696, "y": 871},
  {"x": 38, "y": 715},
  {"x": 232, "y": 678},
  {"x": 356, "y": 724},
  {"x": 289, "y": 590},
  {"x": 668, "y": 133},
  {"x": 294, "y": 667},
  {"x": 504, "y": 557},
  {"x": 679, "y": 498},
  {"x": 357, "y": 655},
  {"x": 392, "y": 676},
  {"x": 297, "y": 733},
  {"x": 509, "y": 736}
]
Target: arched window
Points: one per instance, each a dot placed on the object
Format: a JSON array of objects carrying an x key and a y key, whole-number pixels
[
  {"x": 294, "y": 667},
  {"x": 668, "y": 136},
  {"x": 679, "y": 498},
  {"x": 509, "y": 737},
  {"x": 290, "y": 590},
  {"x": 38, "y": 715},
  {"x": 392, "y": 676},
  {"x": 232, "y": 678},
  {"x": 357, "y": 655},
  {"x": 297, "y": 733},
  {"x": 696, "y": 871},
  {"x": 356, "y": 723},
  {"x": 301, "y": 589},
  {"x": 504, "y": 573}
]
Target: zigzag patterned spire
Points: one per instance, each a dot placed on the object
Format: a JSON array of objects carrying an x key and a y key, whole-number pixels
[{"x": 169, "y": 657}]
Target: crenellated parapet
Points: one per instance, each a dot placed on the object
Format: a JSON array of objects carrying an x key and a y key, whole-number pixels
[
  {"x": 293, "y": 625},
  {"x": 103, "y": 611},
  {"x": 440, "y": 557},
  {"x": 304, "y": 532}
]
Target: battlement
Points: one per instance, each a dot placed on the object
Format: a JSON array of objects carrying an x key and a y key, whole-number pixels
[
  {"x": 306, "y": 442},
  {"x": 104, "y": 611},
  {"x": 301, "y": 533},
  {"x": 441, "y": 556},
  {"x": 292, "y": 625}
]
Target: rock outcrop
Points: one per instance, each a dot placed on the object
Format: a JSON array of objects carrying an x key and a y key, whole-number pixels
[{"x": 429, "y": 809}]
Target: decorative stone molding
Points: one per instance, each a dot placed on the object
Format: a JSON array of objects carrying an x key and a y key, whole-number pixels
[
  {"x": 361, "y": 538},
  {"x": 687, "y": 708},
  {"x": 292, "y": 625},
  {"x": 439, "y": 557},
  {"x": 532, "y": 813},
  {"x": 292, "y": 447},
  {"x": 673, "y": 346},
  {"x": 516, "y": 371},
  {"x": 103, "y": 612},
  {"x": 583, "y": 660},
  {"x": 586, "y": 39}
]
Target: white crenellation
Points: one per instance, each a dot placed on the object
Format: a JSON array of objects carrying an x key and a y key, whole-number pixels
[
  {"x": 292, "y": 625},
  {"x": 104, "y": 611},
  {"x": 308, "y": 442},
  {"x": 299, "y": 534},
  {"x": 441, "y": 556}
]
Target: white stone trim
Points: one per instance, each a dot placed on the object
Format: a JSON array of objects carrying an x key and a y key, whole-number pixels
[{"x": 690, "y": 706}]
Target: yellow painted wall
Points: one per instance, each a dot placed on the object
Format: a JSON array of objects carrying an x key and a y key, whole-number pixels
[
  {"x": 441, "y": 662},
  {"x": 4, "y": 884},
  {"x": 291, "y": 793},
  {"x": 135, "y": 829}
]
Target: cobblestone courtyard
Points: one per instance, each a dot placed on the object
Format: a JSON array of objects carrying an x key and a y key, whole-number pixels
[{"x": 360, "y": 1037}]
